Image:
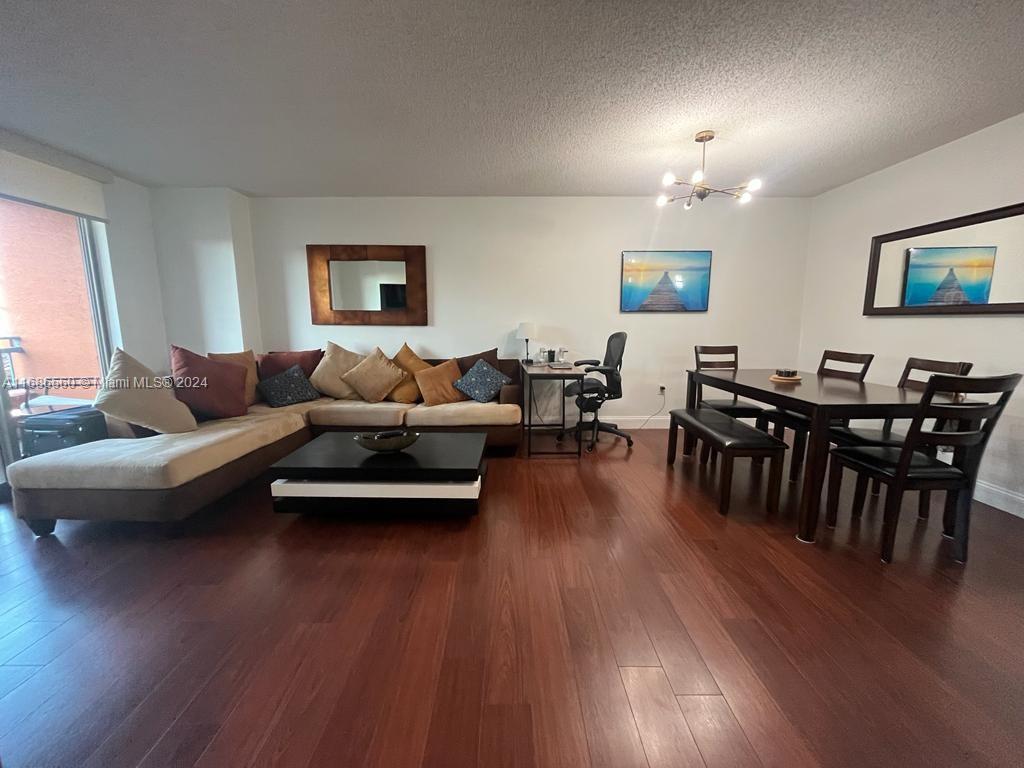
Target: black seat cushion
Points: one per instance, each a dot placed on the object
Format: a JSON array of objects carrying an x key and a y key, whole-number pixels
[
  {"x": 738, "y": 409},
  {"x": 590, "y": 385},
  {"x": 789, "y": 418},
  {"x": 882, "y": 458},
  {"x": 863, "y": 436},
  {"x": 723, "y": 431}
]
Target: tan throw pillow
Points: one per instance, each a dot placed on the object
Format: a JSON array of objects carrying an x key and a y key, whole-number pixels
[
  {"x": 411, "y": 363},
  {"x": 133, "y": 393},
  {"x": 327, "y": 377},
  {"x": 374, "y": 377},
  {"x": 437, "y": 383},
  {"x": 247, "y": 360}
]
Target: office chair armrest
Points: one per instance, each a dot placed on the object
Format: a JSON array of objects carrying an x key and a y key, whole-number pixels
[
  {"x": 605, "y": 369},
  {"x": 587, "y": 362}
]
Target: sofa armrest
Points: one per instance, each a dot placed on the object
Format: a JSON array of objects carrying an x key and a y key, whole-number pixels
[{"x": 511, "y": 393}]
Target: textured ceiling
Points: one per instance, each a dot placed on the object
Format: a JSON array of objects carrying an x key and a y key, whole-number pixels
[{"x": 503, "y": 97}]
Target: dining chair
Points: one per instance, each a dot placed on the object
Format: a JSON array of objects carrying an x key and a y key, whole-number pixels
[
  {"x": 800, "y": 424},
  {"x": 723, "y": 358},
  {"x": 846, "y": 435},
  {"x": 913, "y": 466}
]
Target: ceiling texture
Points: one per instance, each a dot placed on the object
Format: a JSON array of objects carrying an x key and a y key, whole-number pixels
[{"x": 504, "y": 97}]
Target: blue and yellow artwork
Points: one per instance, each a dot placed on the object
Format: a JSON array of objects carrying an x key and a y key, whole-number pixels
[
  {"x": 665, "y": 281},
  {"x": 944, "y": 276}
]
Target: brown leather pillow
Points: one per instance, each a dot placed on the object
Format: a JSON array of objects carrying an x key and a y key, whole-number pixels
[
  {"x": 274, "y": 363},
  {"x": 209, "y": 388},
  {"x": 407, "y": 391},
  {"x": 437, "y": 384},
  {"x": 246, "y": 359},
  {"x": 467, "y": 362}
]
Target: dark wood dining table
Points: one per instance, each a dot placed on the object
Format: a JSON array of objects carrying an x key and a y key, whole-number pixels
[{"x": 822, "y": 399}]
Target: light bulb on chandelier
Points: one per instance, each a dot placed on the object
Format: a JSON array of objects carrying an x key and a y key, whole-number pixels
[{"x": 699, "y": 185}]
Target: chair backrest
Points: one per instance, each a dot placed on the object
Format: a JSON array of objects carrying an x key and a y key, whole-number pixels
[
  {"x": 613, "y": 359},
  {"x": 724, "y": 357},
  {"x": 971, "y": 421},
  {"x": 852, "y": 358},
  {"x": 907, "y": 380}
]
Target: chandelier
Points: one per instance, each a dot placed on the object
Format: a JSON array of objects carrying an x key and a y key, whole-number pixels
[{"x": 698, "y": 187}]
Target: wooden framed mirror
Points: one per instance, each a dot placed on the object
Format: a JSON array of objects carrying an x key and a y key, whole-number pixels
[
  {"x": 970, "y": 265},
  {"x": 367, "y": 284}
]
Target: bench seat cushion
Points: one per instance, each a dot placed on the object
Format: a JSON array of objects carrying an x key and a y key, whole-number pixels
[
  {"x": 161, "y": 461},
  {"x": 724, "y": 431},
  {"x": 465, "y": 414},
  {"x": 357, "y": 413}
]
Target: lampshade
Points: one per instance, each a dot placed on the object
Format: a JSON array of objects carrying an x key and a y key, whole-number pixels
[{"x": 526, "y": 331}]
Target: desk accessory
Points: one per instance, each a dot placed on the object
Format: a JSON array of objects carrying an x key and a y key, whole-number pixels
[{"x": 523, "y": 333}]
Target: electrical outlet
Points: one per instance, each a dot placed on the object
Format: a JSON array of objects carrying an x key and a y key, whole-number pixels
[{"x": 661, "y": 389}]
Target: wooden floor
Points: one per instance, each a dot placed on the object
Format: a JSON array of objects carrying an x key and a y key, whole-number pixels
[{"x": 595, "y": 613}]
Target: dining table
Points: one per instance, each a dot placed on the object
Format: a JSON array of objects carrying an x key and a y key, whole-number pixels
[{"x": 823, "y": 399}]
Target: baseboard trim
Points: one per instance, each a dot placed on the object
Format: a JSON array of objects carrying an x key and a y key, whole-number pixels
[{"x": 1000, "y": 498}]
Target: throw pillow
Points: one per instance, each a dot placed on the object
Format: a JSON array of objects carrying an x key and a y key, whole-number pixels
[
  {"x": 437, "y": 383},
  {"x": 287, "y": 388},
  {"x": 328, "y": 374},
  {"x": 411, "y": 363},
  {"x": 483, "y": 382},
  {"x": 274, "y": 363},
  {"x": 374, "y": 377},
  {"x": 133, "y": 393},
  {"x": 246, "y": 359},
  {"x": 467, "y": 362},
  {"x": 210, "y": 389}
]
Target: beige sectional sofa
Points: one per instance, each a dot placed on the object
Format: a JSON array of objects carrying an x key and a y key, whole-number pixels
[{"x": 170, "y": 476}]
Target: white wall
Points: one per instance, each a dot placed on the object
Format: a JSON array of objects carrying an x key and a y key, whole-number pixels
[
  {"x": 981, "y": 171},
  {"x": 493, "y": 262}
]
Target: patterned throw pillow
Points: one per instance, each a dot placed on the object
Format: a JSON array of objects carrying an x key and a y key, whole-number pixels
[
  {"x": 482, "y": 382},
  {"x": 287, "y": 388}
]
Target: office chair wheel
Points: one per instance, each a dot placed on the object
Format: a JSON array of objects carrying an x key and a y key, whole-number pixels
[
  {"x": 590, "y": 449},
  {"x": 629, "y": 442}
]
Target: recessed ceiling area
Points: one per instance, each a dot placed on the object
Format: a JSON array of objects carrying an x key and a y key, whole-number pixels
[{"x": 405, "y": 97}]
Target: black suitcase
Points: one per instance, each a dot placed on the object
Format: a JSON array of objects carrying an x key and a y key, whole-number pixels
[{"x": 45, "y": 432}]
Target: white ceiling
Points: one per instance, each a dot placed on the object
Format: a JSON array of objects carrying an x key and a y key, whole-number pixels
[{"x": 503, "y": 97}]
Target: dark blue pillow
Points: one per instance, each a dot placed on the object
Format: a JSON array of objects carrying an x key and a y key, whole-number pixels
[
  {"x": 287, "y": 388},
  {"x": 482, "y": 382}
]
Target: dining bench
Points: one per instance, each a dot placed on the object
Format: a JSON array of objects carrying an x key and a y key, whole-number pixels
[{"x": 732, "y": 439}]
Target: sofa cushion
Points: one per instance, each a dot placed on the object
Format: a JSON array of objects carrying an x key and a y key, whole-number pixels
[
  {"x": 483, "y": 382},
  {"x": 336, "y": 363},
  {"x": 211, "y": 389},
  {"x": 437, "y": 383},
  {"x": 353, "y": 413},
  {"x": 407, "y": 391},
  {"x": 288, "y": 388},
  {"x": 467, "y": 362},
  {"x": 247, "y": 360},
  {"x": 466, "y": 414},
  {"x": 133, "y": 393},
  {"x": 374, "y": 377},
  {"x": 273, "y": 363},
  {"x": 302, "y": 409},
  {"x": 162, "y": 461}
]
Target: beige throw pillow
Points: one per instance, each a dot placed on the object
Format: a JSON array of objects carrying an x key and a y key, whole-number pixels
[
  {"x": 374, "y": 377},
  {"x": 247, "y": 360},
  {"x": 327, "y": 377},
  {"x": 437, "y": 383},
  {"x": 133, "y": 393},
  {"x": 407, "y": 391}
]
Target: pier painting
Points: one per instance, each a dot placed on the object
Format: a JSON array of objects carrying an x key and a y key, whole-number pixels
[
  {"x": 946, "y": 276},
  {"x": 665, "y": 281}
]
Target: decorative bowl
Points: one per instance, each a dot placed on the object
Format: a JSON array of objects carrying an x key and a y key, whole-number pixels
[{"x": 386, "y": 442}]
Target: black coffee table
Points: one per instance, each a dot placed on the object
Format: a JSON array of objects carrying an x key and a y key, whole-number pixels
[{"x": 444, "y": 466}]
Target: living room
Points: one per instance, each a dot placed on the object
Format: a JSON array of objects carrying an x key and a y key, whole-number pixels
[{"x": 249, "y": 520}]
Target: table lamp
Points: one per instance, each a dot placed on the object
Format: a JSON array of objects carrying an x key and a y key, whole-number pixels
[{"x": 523, "y": 333}]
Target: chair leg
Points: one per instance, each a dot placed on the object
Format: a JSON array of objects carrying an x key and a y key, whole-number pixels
[
  {"x": 949, "y": 513},
  {"x": 761, "y": 423},
  {"x": 725, "y": 485},
  {"x": 963, "y": 524},
  {"x": 924, "y": 504},
  {"x": 893, "y": 501},
  {"x": 778, "y": 430},
  {"x": 796, "y": 460},
  {"x": 593, "y": 435},
  {"x": 714, "y": 455},
  {"x": 673, "y": 435},
  {"x": 774, "y": 481},
  {"x": 835, "y": 483},
  {"x": 705, "y": 452},
  {"x": 876, "y": 487},
  {"x": 860, "y": 492}
]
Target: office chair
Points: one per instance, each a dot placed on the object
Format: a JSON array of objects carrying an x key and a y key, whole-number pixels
[{"x": 592, "y": 393}]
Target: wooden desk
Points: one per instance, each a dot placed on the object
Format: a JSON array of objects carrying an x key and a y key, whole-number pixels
[
  {"x": 822, "y": 398},
  {"x": 541, "y": 372}
]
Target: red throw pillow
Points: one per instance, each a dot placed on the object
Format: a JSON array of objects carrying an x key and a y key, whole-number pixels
[
  {"x": 211, "y": 389},
  {"x": 274, "y": 363}
]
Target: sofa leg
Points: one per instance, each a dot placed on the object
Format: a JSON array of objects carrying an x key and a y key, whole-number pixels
[{"x": 41, "y": 526}]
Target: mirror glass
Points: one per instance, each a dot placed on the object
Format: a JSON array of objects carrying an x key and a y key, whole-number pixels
[
  {"x": 978, "y": 264},
  {"x": 367, "y": 285}
]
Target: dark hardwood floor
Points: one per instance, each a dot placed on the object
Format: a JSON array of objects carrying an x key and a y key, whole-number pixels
[{"x": 598, "y": 613}]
